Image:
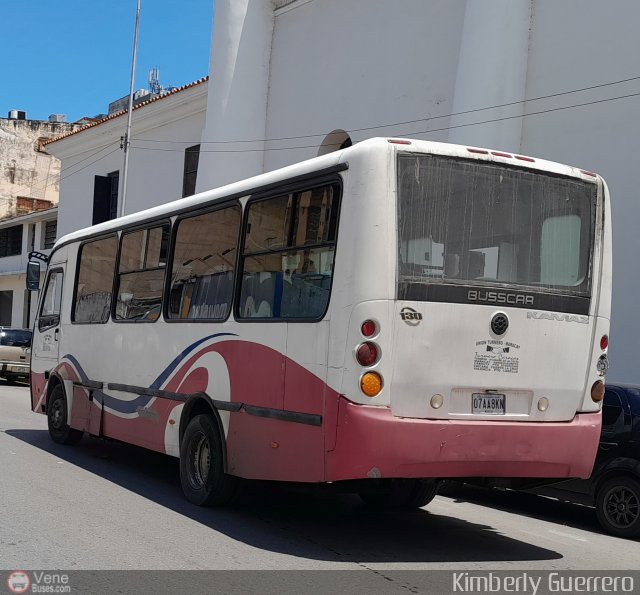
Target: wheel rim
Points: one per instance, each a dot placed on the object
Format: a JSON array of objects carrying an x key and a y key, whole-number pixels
[
  {"x": 199, "y": 461},
  {"x": 621, "y": 507},
  {"x": 57, "y": 414}
]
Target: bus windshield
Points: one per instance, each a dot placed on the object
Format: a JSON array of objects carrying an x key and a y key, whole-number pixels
[{"x": 477, "y": 223}]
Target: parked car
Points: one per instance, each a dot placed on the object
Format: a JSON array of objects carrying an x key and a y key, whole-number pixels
[
  {"x": 614, "y": 486},
  {"x": 15, "y": 353}
]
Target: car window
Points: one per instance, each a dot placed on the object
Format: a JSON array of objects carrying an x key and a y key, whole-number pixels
[
  {"x": 612, "y": 414},
  {"x": 15, "y": 337},
  {"x": 634, "y": 400}
]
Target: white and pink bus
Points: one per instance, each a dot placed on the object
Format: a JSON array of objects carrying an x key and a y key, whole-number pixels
[{"x": 387, "y": 315}]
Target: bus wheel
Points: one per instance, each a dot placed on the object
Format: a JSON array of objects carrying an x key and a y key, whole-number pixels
[
  {"x": 618, "y": 506},
  {"x": 202, "y": 475},
  {"x": 59, "y": 430},
  {"x": 405, "y": 494}
]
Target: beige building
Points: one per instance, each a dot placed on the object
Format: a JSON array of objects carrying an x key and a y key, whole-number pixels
[{"x": 29, "y": 177}]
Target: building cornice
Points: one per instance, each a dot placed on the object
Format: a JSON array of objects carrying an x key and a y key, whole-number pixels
[{"x": 176, "y": 105}]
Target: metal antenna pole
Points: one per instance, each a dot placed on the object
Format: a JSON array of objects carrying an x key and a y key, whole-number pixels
[{"x": 127, "y": 136}]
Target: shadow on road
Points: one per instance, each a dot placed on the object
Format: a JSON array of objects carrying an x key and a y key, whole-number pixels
[
  {"x": 300, "y": 522},
  {"x": 552, "y": 509}
]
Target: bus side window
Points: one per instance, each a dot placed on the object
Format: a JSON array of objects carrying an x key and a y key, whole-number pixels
[
  {"x": 203, "y": 270},
  {"x": 92, "y": 299},
  {"x": 143, "y": 259},
  {"x": 288, "y": 257}
]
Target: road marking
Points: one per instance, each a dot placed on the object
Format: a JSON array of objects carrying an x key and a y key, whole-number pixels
[{"x": 567, "y": 535}]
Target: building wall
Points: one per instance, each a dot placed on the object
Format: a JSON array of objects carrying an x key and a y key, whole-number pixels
[
  {"x": 161, "y": 131},
  {"x": 14, "y": 307},
  {"x": 24, "y": 170},
  {"x": 576, "y": 44},
  {"x": 446, "y": 68}
]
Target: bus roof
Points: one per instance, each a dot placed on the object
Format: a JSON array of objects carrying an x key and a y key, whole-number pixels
[{"x": 318, "y": 164}]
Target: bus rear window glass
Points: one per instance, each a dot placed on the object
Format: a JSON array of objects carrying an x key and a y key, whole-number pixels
[
  {"x": 469, "y": 222},
  {"x": 203, "y": 265},
  {"x": 92, "y": 301},
  {"x": 293, "y": 280}
]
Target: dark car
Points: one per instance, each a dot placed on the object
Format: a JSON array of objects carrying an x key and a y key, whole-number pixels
[
  {"x": 614, "y": 486},
  {"x": 15, "y": 353}
]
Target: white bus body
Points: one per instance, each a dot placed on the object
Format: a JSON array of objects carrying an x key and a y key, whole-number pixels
[{"x": 466, "y": 290}]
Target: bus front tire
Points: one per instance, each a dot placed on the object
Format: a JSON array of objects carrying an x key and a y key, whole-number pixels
[
  {"x": 405, "y": 494},
  {"x": 202, "y": 475},
  {"x": 59, "y": 430}
]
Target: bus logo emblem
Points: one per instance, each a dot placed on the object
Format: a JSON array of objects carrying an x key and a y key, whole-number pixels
[{"x": 410, "y": 316}]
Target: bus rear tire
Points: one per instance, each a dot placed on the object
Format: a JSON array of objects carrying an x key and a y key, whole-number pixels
[
  {"x": 405, "y": 494},
  {"x": 202, "y": 475},
  {"x": 59, "y": 430}
]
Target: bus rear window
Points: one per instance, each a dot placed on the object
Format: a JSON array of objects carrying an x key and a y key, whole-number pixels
[{"x": 471, "y": 222}]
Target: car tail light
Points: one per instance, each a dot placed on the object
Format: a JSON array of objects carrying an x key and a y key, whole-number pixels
[
  {"x": 367, "y": 354},
  {"x": 597, "y": 391},
  {"x": 371, "y": 384}
]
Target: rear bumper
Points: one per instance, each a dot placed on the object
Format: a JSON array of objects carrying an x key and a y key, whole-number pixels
[{"x": 371, "y": 442}]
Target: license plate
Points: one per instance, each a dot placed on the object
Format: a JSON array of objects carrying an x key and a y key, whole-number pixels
[{"x": 487, "y": 404}]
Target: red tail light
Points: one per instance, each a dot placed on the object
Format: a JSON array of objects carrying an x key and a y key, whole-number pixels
[
  {"x": 367, "y": 354},
  {"x": 604, "y": 342},
  {"x": 368, "y": 328}
]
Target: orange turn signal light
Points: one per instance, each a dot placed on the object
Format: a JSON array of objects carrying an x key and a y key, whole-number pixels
[
  {"x": 597, "y": 391},
  {"x": 371, "y": 384}
]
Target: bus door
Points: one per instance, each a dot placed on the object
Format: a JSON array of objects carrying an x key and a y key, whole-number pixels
[{"x": 46, "y": 336}]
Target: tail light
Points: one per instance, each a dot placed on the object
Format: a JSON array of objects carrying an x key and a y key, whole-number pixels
[
  {"x": 597, "y": 391},
  {"x": 604, "y": 342},
  {"x": 367, "y": 354},
  {"x": 371, "y": 384}
]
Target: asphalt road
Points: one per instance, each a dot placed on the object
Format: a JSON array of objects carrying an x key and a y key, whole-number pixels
[{"x": 102, "y": 505}]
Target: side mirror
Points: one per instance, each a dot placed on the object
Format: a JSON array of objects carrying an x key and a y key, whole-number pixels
[{"x": 33, "y": 275}]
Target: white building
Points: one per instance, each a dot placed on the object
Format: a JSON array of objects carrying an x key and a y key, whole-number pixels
[
  {"x": 559, "y": 80},
  {"x": 165, "y": 138},
  {"x": 291, "y": 79},
  {"x": 19, "y": 236}
]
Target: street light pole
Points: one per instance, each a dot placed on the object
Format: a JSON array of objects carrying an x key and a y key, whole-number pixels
[{"x": 127, "y": 137}]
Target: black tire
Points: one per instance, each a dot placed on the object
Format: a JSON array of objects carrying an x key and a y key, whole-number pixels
[
  {"x": 618, "y": 506},
  {"x": 59, "y": 430},
  {"x": 405, "y": 494},
  {"x": 202, "y": 475}
]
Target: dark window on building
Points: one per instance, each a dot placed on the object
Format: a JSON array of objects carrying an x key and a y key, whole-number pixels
[
  {"x": 95, "y": 281},
  {"x": 105, "y": 197},
  {"x": 50, "y": 232},
  {"x": 203, "y": 265},
  {"x": 143, "y": 260},
  {"x": 288, "y": 257},
  {"x": 11, "y": 241},
  {"x": 191, "y": 157}
]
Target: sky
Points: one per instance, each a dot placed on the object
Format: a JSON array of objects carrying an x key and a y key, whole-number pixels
[{"x": 73, "y": 57}]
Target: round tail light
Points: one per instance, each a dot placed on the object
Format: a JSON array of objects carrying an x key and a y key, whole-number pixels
[
  {"x": 367, "y": 354},
  {"x": 597, "y": 391},
  {"x": 368, "y": 328},
  {"x": 604, "y": 342},
  {"x": 371, "y": 384}
]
